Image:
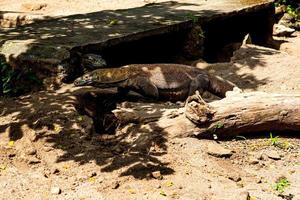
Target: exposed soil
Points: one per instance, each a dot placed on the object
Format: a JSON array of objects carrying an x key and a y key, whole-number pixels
[{"x": 49, "y": 150}]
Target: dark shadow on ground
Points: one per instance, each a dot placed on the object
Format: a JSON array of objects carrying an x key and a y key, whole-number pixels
[{"x": 53, "y": 119}]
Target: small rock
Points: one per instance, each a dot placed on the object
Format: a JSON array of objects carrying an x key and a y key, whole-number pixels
[
  {"x": 287, "y": 197},
  {"x": 235, "y": 177},
  {"x": 46, "y": 173},
  {"x": 92, "y": 174},
  {"x": 33, "y": 160},
  {"x": 55, "y": 171},
  {"x": 253, "y": 161},
  {"x": 259, "y": 180},
  {"x": 244, "y": 196},
  {"x": 11, "y": 155},
  {"x": 273, "y": 155},
  {"x": 262, "y": 156},
  {"x": 214, "y": 149},
  {"x": 157, "y": 175},
  {"x": 115, "y": 185},
  {"x": 55, "y": 190},
  {"x": 75, "y": 184},
  {"x": 47, "y": 149},
  {"x": 31, "y": 151},
  {"x": 282, "y": 31}
]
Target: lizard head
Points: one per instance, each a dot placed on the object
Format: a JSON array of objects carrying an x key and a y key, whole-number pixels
[
  {"x": 103, "y": 78},
  {"x": 85, "y": 80}
]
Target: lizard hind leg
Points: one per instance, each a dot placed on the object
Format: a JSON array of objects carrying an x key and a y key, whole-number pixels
[{"x": 200, "y": 83}]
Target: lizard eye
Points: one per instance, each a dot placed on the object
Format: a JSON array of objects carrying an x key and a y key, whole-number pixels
[{"x": 95, "y": 77}]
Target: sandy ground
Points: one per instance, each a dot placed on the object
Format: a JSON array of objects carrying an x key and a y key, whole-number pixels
[{"x": 47, "y": 151}]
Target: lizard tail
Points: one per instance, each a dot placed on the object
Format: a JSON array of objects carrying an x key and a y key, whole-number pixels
[{"x": 219, "y": 86}]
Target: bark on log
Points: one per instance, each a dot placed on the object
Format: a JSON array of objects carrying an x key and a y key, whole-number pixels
[{"x": 238, "y": 113}]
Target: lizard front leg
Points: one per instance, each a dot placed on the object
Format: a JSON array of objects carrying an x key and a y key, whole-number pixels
[
  {"x": 122, "y": 91},
  {"x": 143, "y": 86}
]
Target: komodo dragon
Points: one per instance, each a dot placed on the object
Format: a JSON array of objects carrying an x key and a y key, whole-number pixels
[{"x": 173, "y": 82}]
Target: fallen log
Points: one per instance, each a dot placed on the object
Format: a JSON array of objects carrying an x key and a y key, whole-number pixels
[{"x": 238, "y": 113}]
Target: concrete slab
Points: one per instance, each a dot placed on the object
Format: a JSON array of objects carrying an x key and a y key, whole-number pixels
[
  {"x": 19, "y": 12},
  {"x": 43, "y": 45}
]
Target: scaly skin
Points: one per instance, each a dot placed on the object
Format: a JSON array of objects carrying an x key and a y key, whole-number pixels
[{"x": 173, "y": 82}]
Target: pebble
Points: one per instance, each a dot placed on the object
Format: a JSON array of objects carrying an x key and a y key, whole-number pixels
[
  {"x": 281, "y": 30},
  {"x": 273, "y": 155},
  {"x": 55, "y": 190},
  {"x": 244, "y": 196},
  {"x": 31, "y": 151},
  {"x": 253, "y": 161},
  {"x": 157, "y": 175},
  {"x": 216, "y": 150},
  {"x": 259, "y": 180},
  {"x": 55, "y": 171},
  {"x": 115, "y": 185},
  {"x": 46, "y": 173},
  {"x": 11, "y": 155},
  {"x": 33, "y": 160},
  {"x": 262, "y": 156},
  {"x": 235, "y": 178},
  {"x": 47, "y": 149},
  {"x": 92, "y": 174}
]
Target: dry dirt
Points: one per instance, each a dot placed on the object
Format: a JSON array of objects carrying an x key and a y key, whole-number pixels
[{"x": 47, "y": 151}]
